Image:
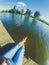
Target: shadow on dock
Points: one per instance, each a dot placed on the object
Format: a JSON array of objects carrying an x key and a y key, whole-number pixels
[{"x": 6, "y": 48}]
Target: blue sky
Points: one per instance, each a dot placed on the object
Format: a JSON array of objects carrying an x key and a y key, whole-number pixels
[{"x": 35, "y": 5}]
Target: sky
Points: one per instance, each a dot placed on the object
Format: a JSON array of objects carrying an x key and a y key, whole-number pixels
[{"x": 35, "y": 5}]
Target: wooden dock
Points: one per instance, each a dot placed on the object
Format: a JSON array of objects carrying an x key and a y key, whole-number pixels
[
  {"x": 4, "y": 35},
  {"x": 6, "y": 38}
]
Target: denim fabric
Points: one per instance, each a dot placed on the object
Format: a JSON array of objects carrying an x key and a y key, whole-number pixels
[{"x": 15, "y": 55}]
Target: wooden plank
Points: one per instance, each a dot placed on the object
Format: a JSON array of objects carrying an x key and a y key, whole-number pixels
[
  {"x": 6, "y": 38},
  {"x": 4, "y": 35},
  {"x": 29, "y": 61}
]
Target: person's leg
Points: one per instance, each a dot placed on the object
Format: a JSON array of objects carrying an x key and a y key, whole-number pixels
[
  {"x": 19, "y": 56},
  {"x": 12, "y": 52}
]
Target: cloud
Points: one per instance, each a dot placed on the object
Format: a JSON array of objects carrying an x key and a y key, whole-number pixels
[{"x": 21, "y": 4}]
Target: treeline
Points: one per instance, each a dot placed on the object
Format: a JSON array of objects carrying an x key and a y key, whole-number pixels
[
  {"x": 28, "y": 12},
  {"x": 14, "y": 10}
]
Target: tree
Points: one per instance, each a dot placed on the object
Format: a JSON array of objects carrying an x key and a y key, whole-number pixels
[
  {"x": 14, "y": 9},
  {"x": 22, "y": 11},
  {"x": 37, "y": 14},
  {"x": 28, "y": 12}
]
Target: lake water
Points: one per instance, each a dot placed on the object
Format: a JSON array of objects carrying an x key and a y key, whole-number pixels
[{"x": 37, "y": 45}]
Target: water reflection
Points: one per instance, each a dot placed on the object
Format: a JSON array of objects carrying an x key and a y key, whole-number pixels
[
  {"x": 37, "y": 45},
  {"x": 34, "y": 21}
]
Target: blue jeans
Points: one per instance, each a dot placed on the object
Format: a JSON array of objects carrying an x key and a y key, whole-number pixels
[{"x": 15, "y": 55}]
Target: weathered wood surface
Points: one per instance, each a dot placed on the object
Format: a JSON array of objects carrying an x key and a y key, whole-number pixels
[
  {"x": 6, "y": 38},
  {"x": 4, "y": 35}
]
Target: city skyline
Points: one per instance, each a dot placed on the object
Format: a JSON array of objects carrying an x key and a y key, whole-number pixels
[{"x": 35, "y": 5}]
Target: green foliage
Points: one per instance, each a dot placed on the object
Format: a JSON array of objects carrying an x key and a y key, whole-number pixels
[
  {"x": 13, "y": 10},
  {"x": 4, "y": 11},
  {"x": 22, "y": 11},
  {"x": 18, "y": 12},
  {"x": 37, "y": 14},
  {"x": 28, "y": 12}
]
